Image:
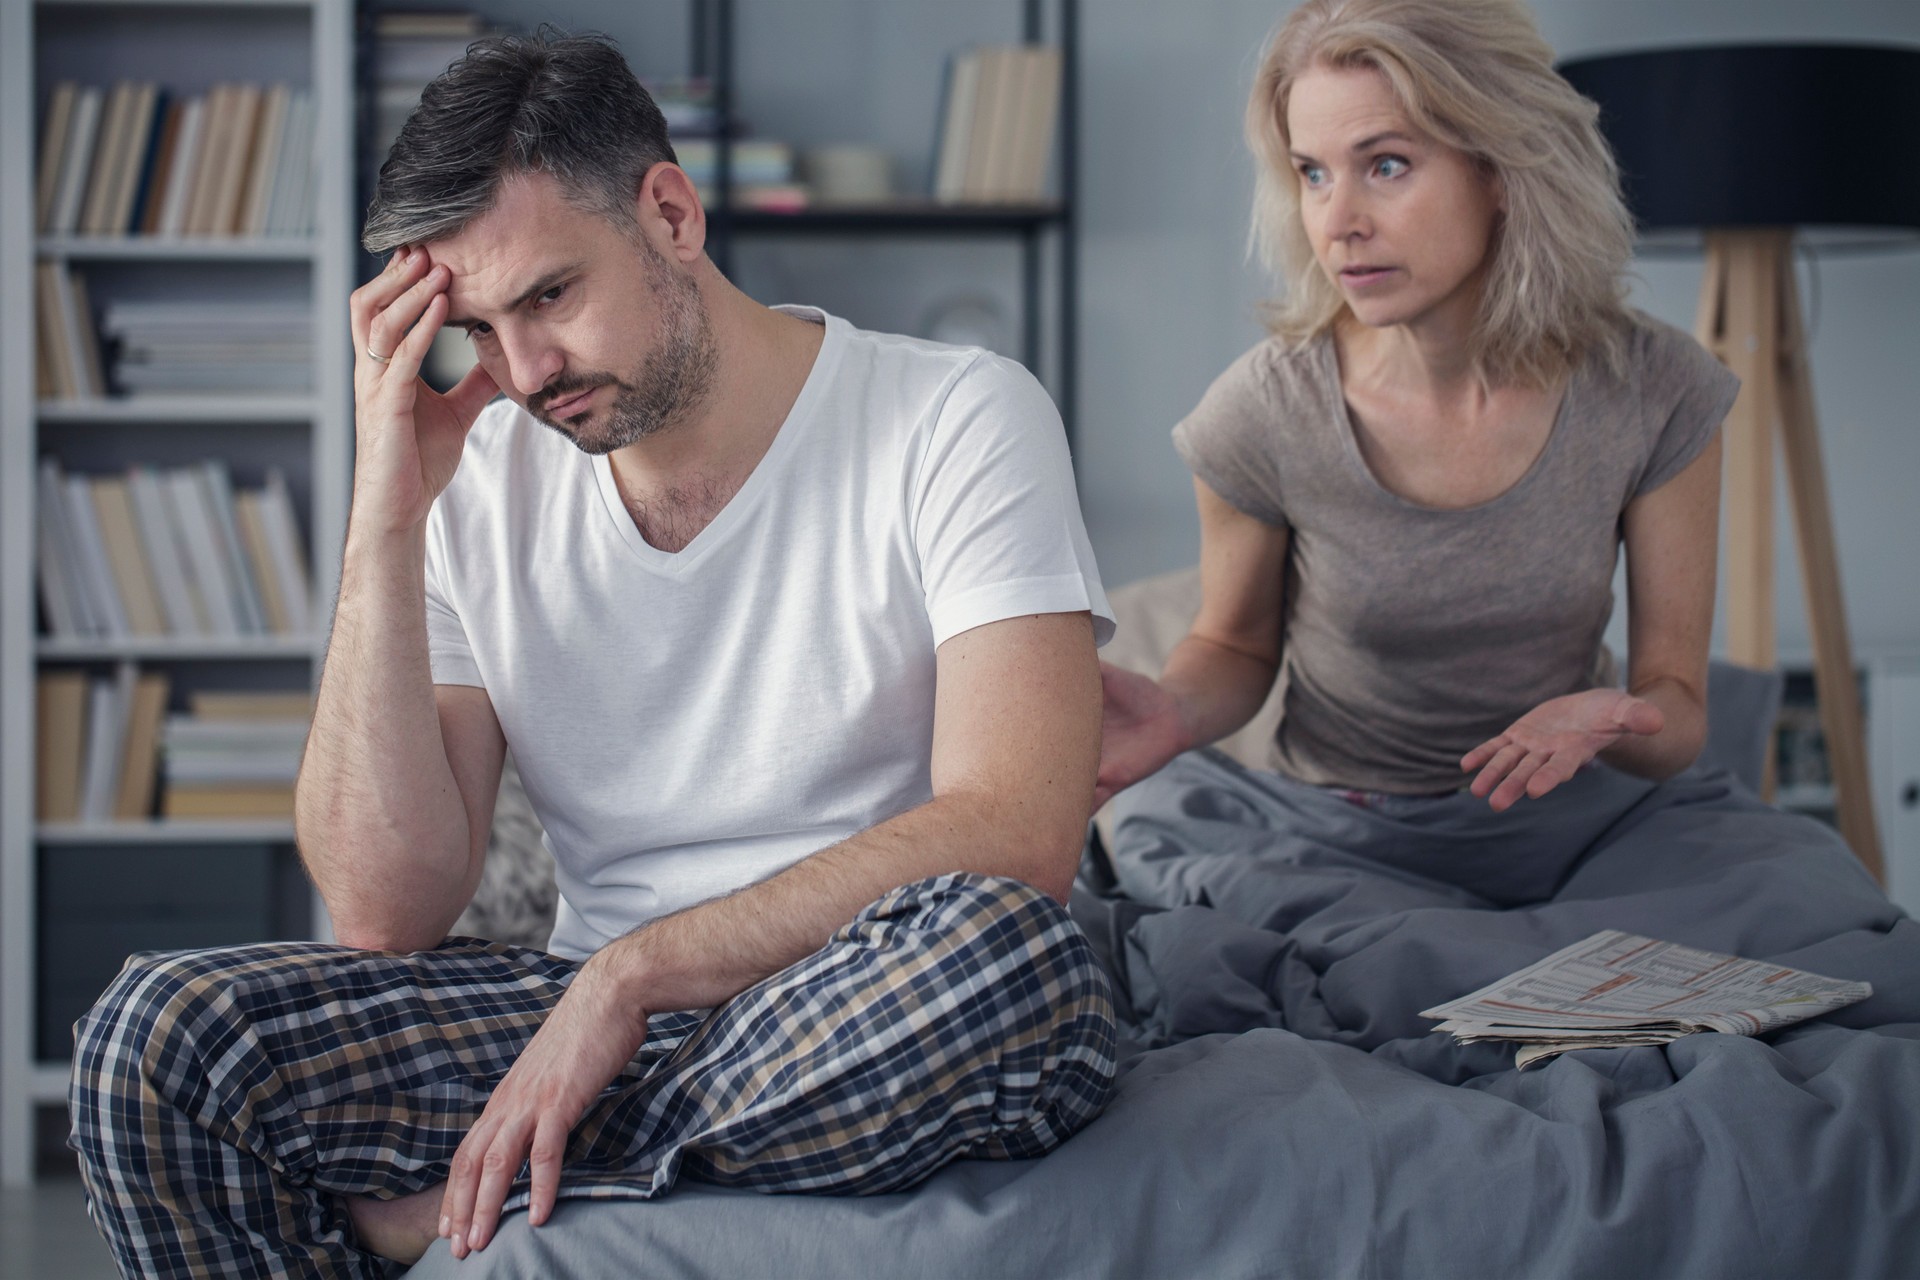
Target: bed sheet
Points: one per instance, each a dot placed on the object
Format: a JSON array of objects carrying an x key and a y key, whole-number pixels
[{"x": 1285, "y": 1112}]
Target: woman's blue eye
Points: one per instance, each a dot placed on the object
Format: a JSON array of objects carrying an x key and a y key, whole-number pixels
[
  {"x": 1390, "y": 166},
  {"x": 1313, "y": 174}
]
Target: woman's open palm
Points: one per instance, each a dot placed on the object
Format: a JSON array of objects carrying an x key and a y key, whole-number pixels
[{"x": 1549, "y": 744}]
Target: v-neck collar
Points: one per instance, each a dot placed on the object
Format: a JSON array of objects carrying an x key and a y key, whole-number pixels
[{"x": 765, "y": 474}]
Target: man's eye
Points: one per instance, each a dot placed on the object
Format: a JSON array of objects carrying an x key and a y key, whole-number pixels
[
  {"x": 480, "y": 330},
  {"x": 553, "y": 294}
]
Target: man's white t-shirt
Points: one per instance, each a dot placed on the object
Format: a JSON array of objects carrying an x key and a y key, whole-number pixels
[{"x": 688, "y": 723}]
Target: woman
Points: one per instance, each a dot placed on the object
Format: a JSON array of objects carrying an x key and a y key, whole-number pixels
[{"x": 1413, "y": 494}]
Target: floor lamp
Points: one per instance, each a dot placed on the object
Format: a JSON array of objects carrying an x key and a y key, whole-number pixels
[{"x": 1744, "y": 151}]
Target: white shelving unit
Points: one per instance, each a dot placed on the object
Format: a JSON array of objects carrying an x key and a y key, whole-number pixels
[
  {"x": 1893, "y": 752},
  {"x": 186, "y": 45}
]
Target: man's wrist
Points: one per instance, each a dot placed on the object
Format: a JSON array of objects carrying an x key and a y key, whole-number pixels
[
  {"x": 370, "y": 533},
  {"x": 615, "y": 978}
]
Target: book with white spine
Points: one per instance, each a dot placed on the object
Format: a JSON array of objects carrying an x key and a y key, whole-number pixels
[
  {"x": 96, "y": 570},
  {"x": 53, "y": 149},
  {"x": 181, "y": 166},
  {"x": 103, "y": 176},
  {"x": 288, "y": 550},
  {"x": 179, "y": 602},
  {"x": 253, "y": 543},
  {"x": 299, "y": 210},
  {"x": 194, "y": 524},
  {"x": 109, "y": 703},
  {"x": 217, "y": 486},
  {"x": 77, "y": 164},
  {"x": 60, "y": 592},
  {"x": 266, "y": 160},
  {"x": 203, "y": 179}
]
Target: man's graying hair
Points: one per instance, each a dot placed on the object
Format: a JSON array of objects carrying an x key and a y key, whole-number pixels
[{"x": 564, "y": 105}]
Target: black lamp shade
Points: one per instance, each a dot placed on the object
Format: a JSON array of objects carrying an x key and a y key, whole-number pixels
[{"x": 1762, "y": 135}]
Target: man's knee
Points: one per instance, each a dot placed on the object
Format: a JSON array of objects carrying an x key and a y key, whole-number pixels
[
  {"x": 1007, "y": 941},
  {"x": 163, "y": 1015}
]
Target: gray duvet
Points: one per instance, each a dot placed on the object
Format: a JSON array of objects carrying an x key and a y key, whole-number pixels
[{"x": 1285, "y": 1112}]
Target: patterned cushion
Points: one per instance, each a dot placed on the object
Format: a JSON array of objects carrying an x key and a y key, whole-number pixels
[{"x": 516, "y": 898}]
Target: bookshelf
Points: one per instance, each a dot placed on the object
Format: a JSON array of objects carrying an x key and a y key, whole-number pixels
[
  {"x": 1028, "y": 226},
  {"x": 72, "y": 891}
]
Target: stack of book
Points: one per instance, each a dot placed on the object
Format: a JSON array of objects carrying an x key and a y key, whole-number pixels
[
  {"x": 411, "y": 48},
  {"x": 761, "y": 171},
  {"x": 234, "y": 756},
  {"x": 97, "y": 744},
  {"x": 997, "y": 125},
  {"x": 67, "y": 363},
  {"x": 208, "y": 347},
  {"x": 137, "y": 159},
  {"x": 687, "y": 104},
  {"x": 170, "y": 553}
]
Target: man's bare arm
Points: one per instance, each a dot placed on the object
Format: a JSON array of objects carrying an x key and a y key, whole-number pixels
[
  {"x": 397, "y": 787},
  {"x": 1016, "y": 745},
  {"x": 396, "y": 793}
]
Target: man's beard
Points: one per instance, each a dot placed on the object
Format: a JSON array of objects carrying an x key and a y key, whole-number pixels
[{"x": 672, "y": 383}]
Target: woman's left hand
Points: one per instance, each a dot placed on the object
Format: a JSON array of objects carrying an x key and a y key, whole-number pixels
[{"x": 1549, "y": 744}]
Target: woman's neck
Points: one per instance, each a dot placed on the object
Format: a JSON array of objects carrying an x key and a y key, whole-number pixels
[{"x": 1423, "y": 361}]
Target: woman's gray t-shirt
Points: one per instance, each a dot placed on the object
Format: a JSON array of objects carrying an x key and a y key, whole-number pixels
[{"x": 1413, "y": 634}]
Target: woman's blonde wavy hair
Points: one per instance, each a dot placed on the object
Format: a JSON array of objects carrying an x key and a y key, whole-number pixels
[{"x": 1477, "y": 76}]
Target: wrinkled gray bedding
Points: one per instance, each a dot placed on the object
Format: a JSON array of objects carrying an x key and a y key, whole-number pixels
[{"x": 1287, "y": 1113}]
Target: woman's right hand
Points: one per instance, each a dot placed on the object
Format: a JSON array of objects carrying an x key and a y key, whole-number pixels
[
  {"x": 408, "y": 437},
  {"x": 1141, "y": 729}
]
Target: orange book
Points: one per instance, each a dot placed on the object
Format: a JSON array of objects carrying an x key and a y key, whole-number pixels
[
  {"x": 140, "y": 766},
  {"x": 220, "y": 705},
  {"x": 60, "y": 744},
  {"x": 237, "y": 160},
  {"x": 266, "y": 800},
  {"x": 127, "y": 557}
]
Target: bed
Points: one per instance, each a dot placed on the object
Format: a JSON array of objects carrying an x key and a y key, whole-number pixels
[{"x": 1283, "y": 1110}]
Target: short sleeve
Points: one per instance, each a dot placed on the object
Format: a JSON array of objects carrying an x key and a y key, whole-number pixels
[
  {"x": 1691, "y": 394},
  {"x": 448, "y": 653},
  {"x": 1230, "y": 440},
  {"x": 996, "y": 518}
]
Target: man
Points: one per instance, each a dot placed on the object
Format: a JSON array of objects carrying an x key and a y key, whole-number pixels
[{"x": 791, "y": 630}]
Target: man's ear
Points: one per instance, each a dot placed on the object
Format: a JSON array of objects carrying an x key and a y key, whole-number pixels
[{"x": 670, "y": 214}]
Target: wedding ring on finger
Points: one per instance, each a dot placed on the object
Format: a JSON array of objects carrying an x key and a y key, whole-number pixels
[{"x": 376, "y": 357}]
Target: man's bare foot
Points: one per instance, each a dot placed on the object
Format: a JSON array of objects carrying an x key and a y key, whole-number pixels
[{"x": 400, "y": 1228}]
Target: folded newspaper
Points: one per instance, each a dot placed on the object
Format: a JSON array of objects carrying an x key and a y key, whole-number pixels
[{"x": 1619, "y": 989}]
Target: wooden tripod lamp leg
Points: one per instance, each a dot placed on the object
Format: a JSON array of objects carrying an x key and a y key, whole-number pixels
[
  {"x": 1833, "y": 669},
  {"x": 1750, "y": 318},
  {"x": 1741, "y": 326}
]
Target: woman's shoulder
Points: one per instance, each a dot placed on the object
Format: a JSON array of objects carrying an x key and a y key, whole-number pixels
[
  {"x": 1665, "y": 363},
  {"x": 1673, "y": 395},
  {"x": 1275, "y": 379}
]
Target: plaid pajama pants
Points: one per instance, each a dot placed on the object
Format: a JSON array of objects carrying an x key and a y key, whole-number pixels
[{"x": 223, "y": 1101}]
